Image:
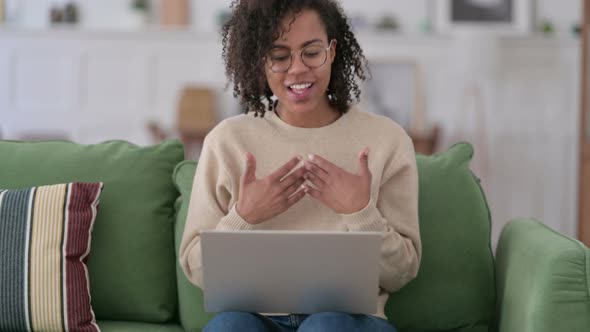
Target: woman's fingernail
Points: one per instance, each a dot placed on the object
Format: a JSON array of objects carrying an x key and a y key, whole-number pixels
[{"x": 310, "y": 156}]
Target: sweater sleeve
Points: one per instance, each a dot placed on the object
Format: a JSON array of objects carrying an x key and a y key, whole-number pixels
[
  {"x": 395, "y": 213},
  {"x": 208, "y": 209}
]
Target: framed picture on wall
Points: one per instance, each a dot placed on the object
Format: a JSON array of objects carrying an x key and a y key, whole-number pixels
[
  {"x": 502, "y": 16},
  {"x": 394, "y": 91}
]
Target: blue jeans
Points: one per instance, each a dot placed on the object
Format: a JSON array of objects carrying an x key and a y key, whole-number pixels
[{"x": 320, "y": 322}]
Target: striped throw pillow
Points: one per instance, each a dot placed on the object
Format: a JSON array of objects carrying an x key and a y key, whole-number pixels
[{"x": 44, "y": 246}]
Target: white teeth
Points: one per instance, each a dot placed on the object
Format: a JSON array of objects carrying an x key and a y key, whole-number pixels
[{"x": 300, "y": 86}]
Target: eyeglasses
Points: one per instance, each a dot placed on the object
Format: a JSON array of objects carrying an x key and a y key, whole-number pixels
[{"x": 280, "y": 59}]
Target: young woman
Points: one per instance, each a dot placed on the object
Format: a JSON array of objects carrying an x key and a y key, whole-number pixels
[{"x": 299, "y": 158}]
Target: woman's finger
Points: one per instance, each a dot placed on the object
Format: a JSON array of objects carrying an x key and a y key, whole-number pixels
[
  {"x": 315, "y": 180},
  {"x": 324, "y": 164},
  {"x": 286, "y": 168},
  {"x": 317, "y": 171},
  {"x": 292, "y": 178},
  {"x": 295, "y": 198},
  {"x": 313, "y": 192},
  {"x": 294, "y": 188}
]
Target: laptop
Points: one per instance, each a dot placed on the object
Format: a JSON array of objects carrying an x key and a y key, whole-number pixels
[{"x": 299, "y": 272}]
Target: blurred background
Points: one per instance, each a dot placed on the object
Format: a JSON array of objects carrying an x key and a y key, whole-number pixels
[{"x": 504, "y": 75}]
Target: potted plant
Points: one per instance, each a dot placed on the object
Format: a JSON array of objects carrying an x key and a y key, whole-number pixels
[{"x": 140, "y": 12}]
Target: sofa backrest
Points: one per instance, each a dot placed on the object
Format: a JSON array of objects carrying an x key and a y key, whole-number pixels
[
  {"x": 132, "y": 264},
  {"x": 454, "y": 288},
  {"x": 191, "y": 311}
]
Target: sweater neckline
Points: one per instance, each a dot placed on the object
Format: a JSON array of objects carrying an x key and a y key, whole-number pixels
[{"x": 281, "y": 127}]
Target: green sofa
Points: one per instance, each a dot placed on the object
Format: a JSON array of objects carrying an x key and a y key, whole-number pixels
[{"x": 539, "y": 280}]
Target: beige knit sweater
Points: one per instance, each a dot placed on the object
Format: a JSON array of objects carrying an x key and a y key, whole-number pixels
[{"x": 393, "y": 208}]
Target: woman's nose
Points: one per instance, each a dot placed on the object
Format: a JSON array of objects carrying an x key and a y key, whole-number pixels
[{"x": 297, "y": 65}]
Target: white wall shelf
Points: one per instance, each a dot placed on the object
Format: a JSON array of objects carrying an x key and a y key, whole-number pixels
[{"x": 94, "y": 85}]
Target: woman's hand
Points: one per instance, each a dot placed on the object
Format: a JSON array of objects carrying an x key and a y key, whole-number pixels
[
  {"x": 339, "y": 190},
  {"x": 262, "y": 199}
]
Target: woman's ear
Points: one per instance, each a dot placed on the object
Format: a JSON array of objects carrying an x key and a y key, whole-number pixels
[{"x": 333, "y": 44}]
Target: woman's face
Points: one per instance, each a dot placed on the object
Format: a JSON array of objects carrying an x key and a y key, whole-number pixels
[{"x": 301, "y": 88}]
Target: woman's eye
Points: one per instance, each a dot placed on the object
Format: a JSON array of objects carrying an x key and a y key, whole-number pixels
[{"x": 280, "y": 58}]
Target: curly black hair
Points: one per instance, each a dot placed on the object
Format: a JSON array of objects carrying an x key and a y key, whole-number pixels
[{"x": 250, "y": 32}]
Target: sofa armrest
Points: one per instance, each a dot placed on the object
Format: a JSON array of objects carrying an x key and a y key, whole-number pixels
[{"x": 542, "y": 280}]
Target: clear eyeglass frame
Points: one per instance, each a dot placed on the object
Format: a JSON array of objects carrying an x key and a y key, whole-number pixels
[{"x": 277, "y": 68}]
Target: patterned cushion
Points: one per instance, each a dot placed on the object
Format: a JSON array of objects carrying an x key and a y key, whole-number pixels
[{"x": 44, "y": 246}]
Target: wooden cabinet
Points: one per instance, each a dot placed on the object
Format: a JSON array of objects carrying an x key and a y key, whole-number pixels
[{"x": 584, "y": 189}]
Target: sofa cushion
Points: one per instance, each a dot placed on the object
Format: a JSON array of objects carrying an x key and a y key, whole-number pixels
[
  {"x": 455, "y": 285},
  {"x": 45, "y": 236},
  {"x": 132, "y": 268},
  {"x": 190, "y": 298}
]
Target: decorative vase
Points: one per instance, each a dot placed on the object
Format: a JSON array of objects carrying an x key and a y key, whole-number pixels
[{"x": 174, "y": 12}]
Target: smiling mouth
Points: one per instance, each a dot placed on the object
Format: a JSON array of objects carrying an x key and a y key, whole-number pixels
[{"x": 299, "y": 88}]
